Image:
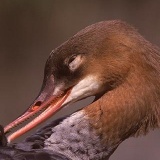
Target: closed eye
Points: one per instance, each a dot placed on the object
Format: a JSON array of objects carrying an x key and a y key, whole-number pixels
[
  {"x": 74, "y": 62},
  {"x": 72, "y": 59}
]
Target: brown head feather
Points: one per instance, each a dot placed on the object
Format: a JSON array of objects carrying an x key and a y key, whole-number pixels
[{"x": 132, "y": 106}]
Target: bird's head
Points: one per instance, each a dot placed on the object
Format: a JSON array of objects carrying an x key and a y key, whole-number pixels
[{"x": 96, "y": 60}]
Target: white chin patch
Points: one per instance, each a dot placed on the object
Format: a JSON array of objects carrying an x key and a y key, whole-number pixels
[{"x": 86, "y": 87}]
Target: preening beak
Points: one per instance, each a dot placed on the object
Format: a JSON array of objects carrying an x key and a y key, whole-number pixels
[
  {"x": 46, "y": 102},
  {"x": 51, "y": 99}
]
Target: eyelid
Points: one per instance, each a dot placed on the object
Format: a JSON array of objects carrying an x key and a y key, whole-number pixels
[
  {"x": 74, "y": 64},
  {"x": 71, "y": 59}
]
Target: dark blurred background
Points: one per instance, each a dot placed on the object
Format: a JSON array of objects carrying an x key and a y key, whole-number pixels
[{"x": 29, "y": 30}]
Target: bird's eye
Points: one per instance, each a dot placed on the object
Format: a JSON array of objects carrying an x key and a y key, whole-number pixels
[
  {"x": 74, "y": 62},
  {"x": 72, "y": 59}
]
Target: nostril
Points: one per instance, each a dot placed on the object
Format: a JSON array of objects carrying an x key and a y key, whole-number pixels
[
  {"x": 36, "y": 106},
  {"x": 38, "y": 103}
]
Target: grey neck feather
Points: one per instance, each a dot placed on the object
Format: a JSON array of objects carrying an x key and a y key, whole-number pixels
[{"x": 76, "y": 139}]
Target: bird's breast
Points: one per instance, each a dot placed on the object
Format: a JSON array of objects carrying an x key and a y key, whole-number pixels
[{"x": 76, "y": 139}]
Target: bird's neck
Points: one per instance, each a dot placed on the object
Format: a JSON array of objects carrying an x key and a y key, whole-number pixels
[
  {"x": 97, "y": 130},
  {"x": 131, "y": 109},
  {"x": 76, "y": 139}
]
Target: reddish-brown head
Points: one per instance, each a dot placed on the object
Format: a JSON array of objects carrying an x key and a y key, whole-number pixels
[{"x": 96, "y": 60}]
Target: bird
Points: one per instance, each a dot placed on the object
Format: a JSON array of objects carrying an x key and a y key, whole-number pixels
[{"x": 109, "y": 60}]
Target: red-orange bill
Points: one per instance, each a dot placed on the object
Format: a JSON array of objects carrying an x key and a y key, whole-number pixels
[{"x": 50, "y": 107}]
